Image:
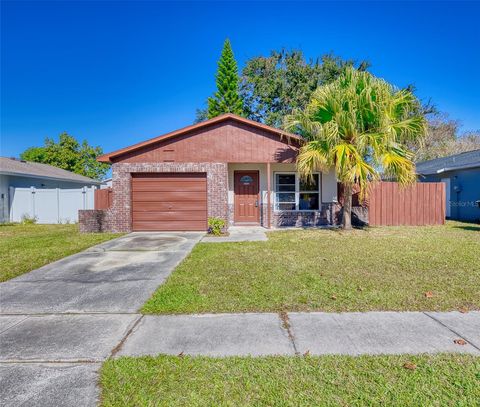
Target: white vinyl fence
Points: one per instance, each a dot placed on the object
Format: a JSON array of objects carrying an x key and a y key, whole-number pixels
[{"x": 50, "y": 205}]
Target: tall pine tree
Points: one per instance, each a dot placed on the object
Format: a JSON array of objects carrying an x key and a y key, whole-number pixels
[{"x": 226, "y": 99}]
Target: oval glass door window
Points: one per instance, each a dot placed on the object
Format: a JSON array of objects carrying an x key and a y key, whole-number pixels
[{"x": 246, "y": 180}]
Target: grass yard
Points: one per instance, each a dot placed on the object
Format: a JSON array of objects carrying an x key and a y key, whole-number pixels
[
  {"x": 437, "y": 380},
  {"x": 330, "y": 270},
  {"x": 26, "y": 247}
]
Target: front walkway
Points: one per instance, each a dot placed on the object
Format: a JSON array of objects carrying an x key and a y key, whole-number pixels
[{"x": 240, "y": 234}]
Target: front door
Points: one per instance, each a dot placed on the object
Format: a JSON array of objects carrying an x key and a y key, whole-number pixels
[{"x": 247, "y": 206}]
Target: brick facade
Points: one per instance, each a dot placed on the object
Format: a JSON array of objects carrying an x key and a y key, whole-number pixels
[
  {"x": 329, "y": 215},
  {"x": 92, "y": 220},
  {"x": 118, "y": 217}
]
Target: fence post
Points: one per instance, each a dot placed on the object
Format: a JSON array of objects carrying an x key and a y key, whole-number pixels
[
  {"x": 92, "y": 197},
  {"x": 84, "y": 194},
  {"x": 58, "y": 205},
  {"x": 11, "y": 192},
  {"x": 32, "y": 190}
]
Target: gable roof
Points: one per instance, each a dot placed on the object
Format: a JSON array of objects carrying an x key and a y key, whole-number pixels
[
  {"x": 219, "y": 119},
  {"x": 462, "y": 161},
  {"x": 11, "y": 166}
]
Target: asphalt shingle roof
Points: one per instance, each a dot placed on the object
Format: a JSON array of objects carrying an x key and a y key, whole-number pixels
[
  {"x": 11, "y": 166},
  {"x": 470, "y": 159}
]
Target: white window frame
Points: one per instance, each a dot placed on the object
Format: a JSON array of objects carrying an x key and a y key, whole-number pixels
[{"x": 297, "y": 192}]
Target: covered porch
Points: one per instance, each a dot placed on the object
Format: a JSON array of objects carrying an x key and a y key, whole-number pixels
[{"x": 273, "y": 195}]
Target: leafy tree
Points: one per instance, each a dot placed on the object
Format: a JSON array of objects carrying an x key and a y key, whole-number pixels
[
  {"x": 443, "y": 139},
  {"x": 226, "y": 99},
  {"x": 361, "y": 125},
  {"x": 274, "y": 86},
  {"x": 70, "y": 155},
  {"x": 35, "y": 154}
]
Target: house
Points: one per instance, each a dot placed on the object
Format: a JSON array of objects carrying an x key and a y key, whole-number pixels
[
  {"x": 47, "y": 193},
  {"x": 106, "y": 183},
  {"x": 227, "y": 167},
  {"x": 461, "y": 174}
]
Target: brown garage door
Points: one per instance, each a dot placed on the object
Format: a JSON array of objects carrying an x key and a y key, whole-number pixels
[{"x": 169, "y": 201}]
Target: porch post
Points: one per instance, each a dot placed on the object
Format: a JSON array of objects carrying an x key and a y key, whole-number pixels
[{"x": 269, "y": 214}]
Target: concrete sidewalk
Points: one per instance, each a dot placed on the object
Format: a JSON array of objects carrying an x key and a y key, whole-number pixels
[
  {"x": 296, "y": 333},
  {"x": 54, "y": 359},
  {"x": 90, "y": 338}
]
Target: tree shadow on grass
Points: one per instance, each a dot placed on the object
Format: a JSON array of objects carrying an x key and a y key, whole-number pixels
[{"x": 469, "y": 227}]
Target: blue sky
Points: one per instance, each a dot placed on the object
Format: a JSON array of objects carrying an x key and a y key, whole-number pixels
[{"x": 117, "y": 73}]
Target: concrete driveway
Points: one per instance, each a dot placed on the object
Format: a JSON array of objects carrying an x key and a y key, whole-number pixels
[
  {"x": 116, "y": 276},
  {"x": 58, "y": 323}
]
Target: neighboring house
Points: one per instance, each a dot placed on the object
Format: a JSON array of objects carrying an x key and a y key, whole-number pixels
[
  {"x": 461, "y": 174},
  {"x": 227, "y": 167},
  {"x": 50, "y": 194},
  {"x": 106, "y": 183}
]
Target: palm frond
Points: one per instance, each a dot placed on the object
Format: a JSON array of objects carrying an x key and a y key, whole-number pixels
[
  {"x": 410, "y": 129},
  {"x": 359, "y": 124},
  {"x": 298, "y": 122},
  {"x": 399, "y": 166},
  {"x": 314, "y": 156}
]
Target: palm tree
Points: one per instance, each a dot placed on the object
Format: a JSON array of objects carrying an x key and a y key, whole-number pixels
[{"x": 361, "y": 125}]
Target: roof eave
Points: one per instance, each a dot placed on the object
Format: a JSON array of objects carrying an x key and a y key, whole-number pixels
[
  {"x": 463, "y": 167},
  {"x": 21, "y": 174},
  {"x": 447, "y": 169}
]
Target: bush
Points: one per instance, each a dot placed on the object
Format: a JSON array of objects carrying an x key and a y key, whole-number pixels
[
  {"x": 215, "y": 226},
  {"x": 28, "y": 220}
]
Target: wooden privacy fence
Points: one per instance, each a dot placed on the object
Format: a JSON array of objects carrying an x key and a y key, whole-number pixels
[
  {"x": 103, "y": 198},
  {"x": 420, "y": 204}
]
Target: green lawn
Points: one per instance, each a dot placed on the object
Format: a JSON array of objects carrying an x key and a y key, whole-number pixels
[
  {"x": 26, "y": 247},
  {"x": 330, "y": 270},
  {"x": 437, "y": 380}
]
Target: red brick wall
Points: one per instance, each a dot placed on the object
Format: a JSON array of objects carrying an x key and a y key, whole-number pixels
[
  {"x": 118, "y": 217},
  {"x": 92, "y": 220},
  {"x": 327, "y": 216}
]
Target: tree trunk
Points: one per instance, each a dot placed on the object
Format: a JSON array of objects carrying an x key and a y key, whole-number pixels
[{"x": 347, "y": 206}]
